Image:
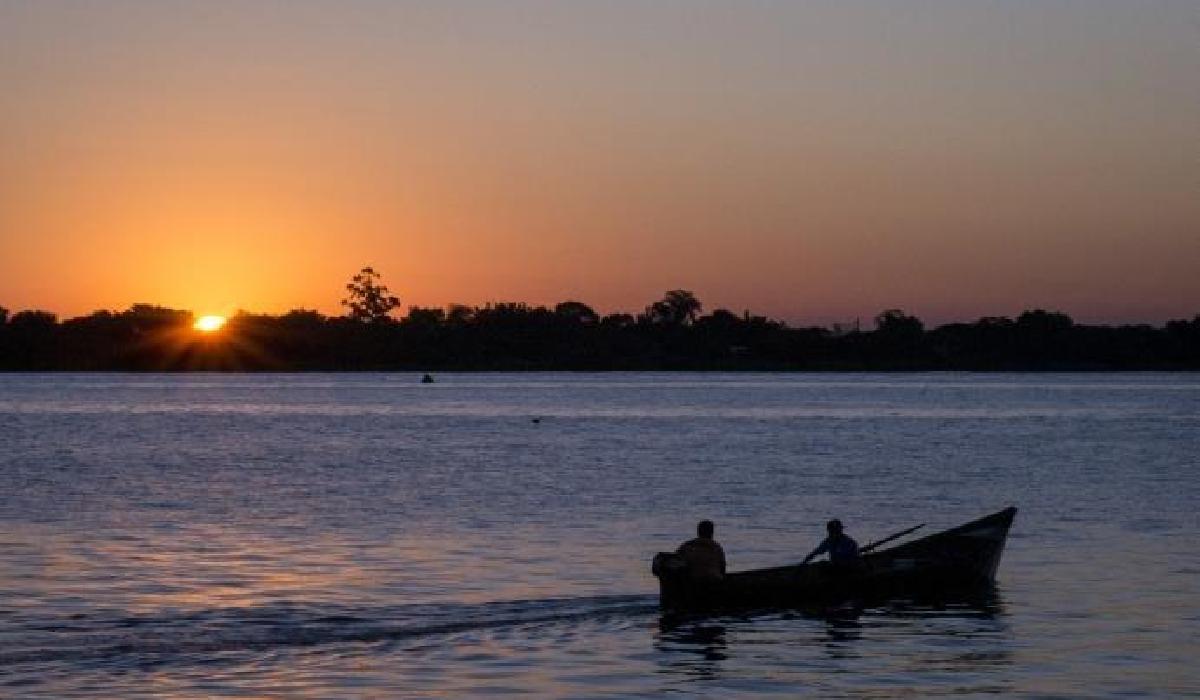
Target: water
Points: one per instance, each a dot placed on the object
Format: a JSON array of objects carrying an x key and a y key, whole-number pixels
[{"x": 365, "y": 535}]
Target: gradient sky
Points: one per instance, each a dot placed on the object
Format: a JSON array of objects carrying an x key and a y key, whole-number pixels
[{"x": 814, "y": 161}]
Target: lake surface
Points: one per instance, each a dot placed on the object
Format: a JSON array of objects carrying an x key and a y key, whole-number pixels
[{"x": 363, "y": 535}]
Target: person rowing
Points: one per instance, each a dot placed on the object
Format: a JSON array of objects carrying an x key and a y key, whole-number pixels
[{"x": 841, "y": 548}]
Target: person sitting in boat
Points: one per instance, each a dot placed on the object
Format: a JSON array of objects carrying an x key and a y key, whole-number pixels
[
  {"x": 704, "y": 556},
  {"x": 842, "y": 549}
]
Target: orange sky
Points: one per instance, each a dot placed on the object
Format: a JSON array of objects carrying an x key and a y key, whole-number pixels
[{"x": 814, "y": 162}]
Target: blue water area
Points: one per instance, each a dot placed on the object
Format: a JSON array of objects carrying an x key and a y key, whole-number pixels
[{"x": 367, "y": 535}]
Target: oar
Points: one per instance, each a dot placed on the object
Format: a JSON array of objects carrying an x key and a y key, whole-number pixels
[{"x": 885, "y": 540}]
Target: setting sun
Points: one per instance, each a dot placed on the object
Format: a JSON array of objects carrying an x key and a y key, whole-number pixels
[{"x": 208, "y": 324}]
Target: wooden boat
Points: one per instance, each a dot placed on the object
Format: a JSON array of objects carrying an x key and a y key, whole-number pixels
[{"x": 955, "y": 560}]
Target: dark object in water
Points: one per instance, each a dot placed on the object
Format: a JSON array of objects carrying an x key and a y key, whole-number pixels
[
  {"x": 954, "y": 560},
  {"x": 427, "y": 379}
]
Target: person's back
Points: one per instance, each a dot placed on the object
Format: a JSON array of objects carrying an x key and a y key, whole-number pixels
[{"x": 704, "y": 556}]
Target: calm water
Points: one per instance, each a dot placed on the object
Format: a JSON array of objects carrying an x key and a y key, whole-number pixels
[{"x": 367, "y": 536}]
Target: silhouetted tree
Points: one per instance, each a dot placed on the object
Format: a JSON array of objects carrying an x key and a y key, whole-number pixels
[
  {"x": 1184, "y": 340},
  {"x": 3, "y": 315},
  {"x": 302, "y": 318},
  {"x": 424, "y": 318},
  {"x": 459, "y": 314},
  {"x": 895, "y": 323},
  {"x": 149, "y": 317},
  {"x": 618, "y": 320},
  {"x": 676, "y": 308},
  {"x": 897, "y": 343},
  {"x": 1046, "y": 340},
  {"x": 1185, "y": 329},
  {"x": 722, "y": 319},
  {"x": 994, "y": 322},
  {"x": 1043, "y": 322},
  {"x": 577, "y": 312},
  {"x": 32, "y": 320},
  {"x": 30, "y": 340},
  {"x": 369, "y": 300}
]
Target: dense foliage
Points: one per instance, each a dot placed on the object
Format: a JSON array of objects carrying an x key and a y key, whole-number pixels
[{"x": 672, "y": 334}]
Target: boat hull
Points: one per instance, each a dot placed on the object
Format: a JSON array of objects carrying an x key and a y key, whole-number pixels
[{"x": 955, "y": 560}]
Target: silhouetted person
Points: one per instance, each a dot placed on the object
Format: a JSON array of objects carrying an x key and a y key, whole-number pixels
[
  {"x": 842, "y": 549},
  {"x": 427, "y": 379},
  {"x": 704, "y": 557}
]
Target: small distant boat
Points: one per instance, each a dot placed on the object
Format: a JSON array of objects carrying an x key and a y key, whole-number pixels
[
  {"x": 952, "y": 561},
  {"x": 427, "y": 379}
]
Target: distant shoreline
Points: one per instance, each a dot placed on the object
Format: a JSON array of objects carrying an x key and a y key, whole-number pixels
[
  {"x": 230, "y": 372},
  {"x": 436, "y": 372},
  {"x": 572, "y": 338}
]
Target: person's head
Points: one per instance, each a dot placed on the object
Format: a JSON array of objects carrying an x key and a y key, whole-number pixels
[
  {"x": 834, "y": 526},
  {"x": 705, "y": 529}
]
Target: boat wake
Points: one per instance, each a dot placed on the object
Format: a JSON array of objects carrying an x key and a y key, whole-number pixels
[{"x": 163, "y": 637}]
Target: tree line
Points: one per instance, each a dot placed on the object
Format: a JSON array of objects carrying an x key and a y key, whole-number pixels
[{"x": 672, "y": 333}]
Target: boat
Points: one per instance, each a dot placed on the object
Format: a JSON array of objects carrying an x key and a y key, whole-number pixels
[{"x": 953, "y": 561}]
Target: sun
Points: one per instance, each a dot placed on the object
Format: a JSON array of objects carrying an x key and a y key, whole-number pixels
[{"x": 208, "y": 324}]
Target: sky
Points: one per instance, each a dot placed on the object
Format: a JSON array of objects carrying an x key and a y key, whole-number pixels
[{"x": 815, "y": 162}]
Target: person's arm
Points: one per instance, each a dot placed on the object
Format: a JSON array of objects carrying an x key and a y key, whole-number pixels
[{"x": 821, "y": 549}]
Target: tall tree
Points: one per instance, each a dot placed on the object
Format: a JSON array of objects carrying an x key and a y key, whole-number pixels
[
  {"x": 677, "y": 307},
  {"x": 368, "y": 300}
]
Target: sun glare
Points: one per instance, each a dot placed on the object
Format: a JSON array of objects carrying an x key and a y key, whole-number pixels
[{"x": 208, "y": 324}]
